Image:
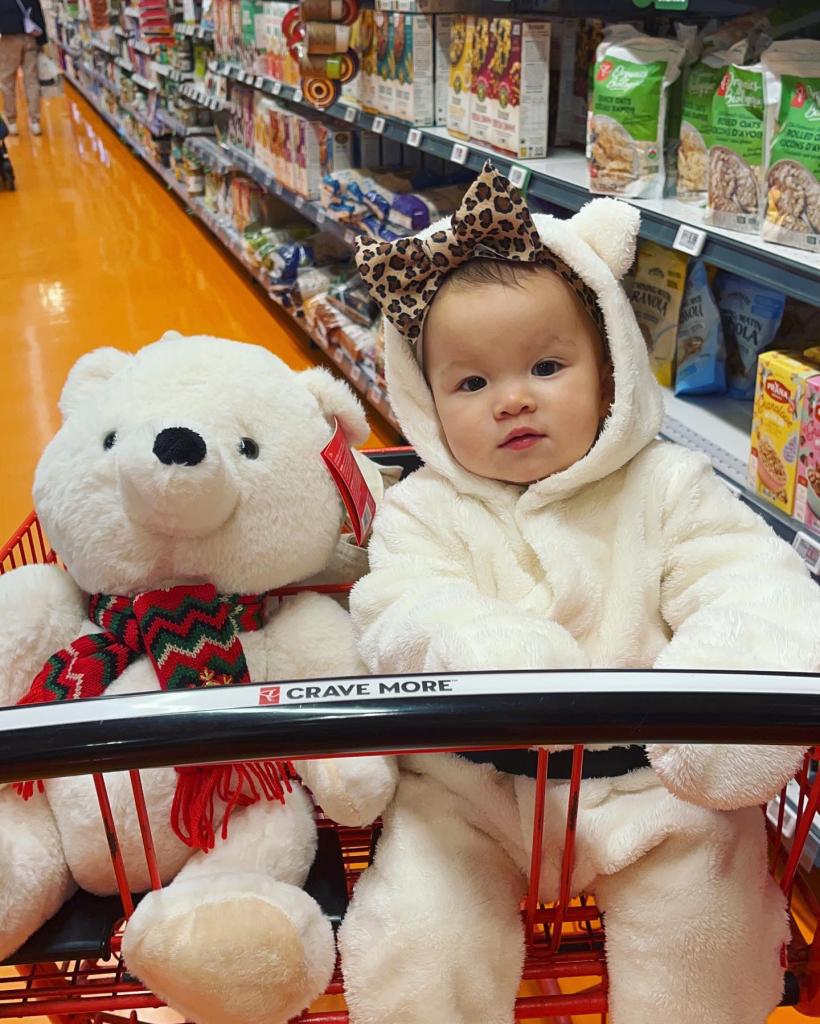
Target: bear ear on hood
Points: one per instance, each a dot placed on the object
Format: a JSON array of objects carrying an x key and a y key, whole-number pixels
[
  {"x": 337, "y": 401},
  {"x": 609, "y": 227},
  {"x": 89, "y": 373}
]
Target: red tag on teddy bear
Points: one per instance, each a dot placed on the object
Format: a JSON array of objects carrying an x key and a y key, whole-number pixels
[{"x": 351, "y": 484}]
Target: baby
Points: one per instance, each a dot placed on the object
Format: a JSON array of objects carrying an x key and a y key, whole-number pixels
[{"x": 549, "y": 528}]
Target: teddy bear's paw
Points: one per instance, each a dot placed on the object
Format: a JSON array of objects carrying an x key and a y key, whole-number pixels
[{"x": 236, "y": 950}]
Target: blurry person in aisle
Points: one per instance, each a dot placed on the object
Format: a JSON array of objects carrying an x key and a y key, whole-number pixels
[
  {"x": 550, "y": 528},
  {"x": 22, "y": 33}
]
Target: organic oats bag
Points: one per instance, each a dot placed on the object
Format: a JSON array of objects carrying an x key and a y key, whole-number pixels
[
  {"x": 792, "y": 185},
  {"x": 695, "y": 131},
  {"x": 627, "y": 123},
  {"x": 736, "y": 150},
  {"x": 656, "y": 295}
]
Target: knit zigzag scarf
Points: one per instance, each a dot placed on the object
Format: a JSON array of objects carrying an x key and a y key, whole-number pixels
[{"x": 191, "y": 636}]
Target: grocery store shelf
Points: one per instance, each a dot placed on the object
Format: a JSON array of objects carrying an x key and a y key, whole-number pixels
[
  {"x": 179, "y": 128},
  {"x": 109, "y": 51},
  {"x": 203, "y": 98},
  {"x": 561, "y": 179},
  {"x": 144, "y": 83},
  {"x": 367, "y": 387},
  {"x": 211, "y": 154},
  {"x": 99, "y": 78},
  {"x": 195, "y": 32},
  {"x": 166, "y": 71},
  {"x": 124, "y": 64},
  {"x": 314, "y": 211}
]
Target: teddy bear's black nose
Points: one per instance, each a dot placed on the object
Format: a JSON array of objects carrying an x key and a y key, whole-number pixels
[{"x": 179, "y": 446}]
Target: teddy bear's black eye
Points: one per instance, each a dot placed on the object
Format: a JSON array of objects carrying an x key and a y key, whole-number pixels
[
  {"x": 110, "y": 440},
  {"x": 249, "y": 448}
]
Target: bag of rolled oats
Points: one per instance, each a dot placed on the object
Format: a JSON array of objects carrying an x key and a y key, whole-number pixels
[
  {"x": 695, "y": 132},
  {"x": 792, "y": 185},
  {"x": 735, "y": 168},
  {"x": 627, "y": 123}
]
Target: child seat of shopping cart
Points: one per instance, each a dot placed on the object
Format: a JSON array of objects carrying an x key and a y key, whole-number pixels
[{"x": 72, "y": 969}]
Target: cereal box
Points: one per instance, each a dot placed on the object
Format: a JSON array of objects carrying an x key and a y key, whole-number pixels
[
  {"x": 520, "y": 90},
  {"x": 481, "y": 85},
  {"x": 369, "y": 59},
  {"x": 384, "y": 93},
  {"x": 412, "y": 68},
  {"x": 808, "y": 461},
  {"x": 780, "y": 412},
  {"x": 443, "y": 29},
  {"x": 462, "y": 40}
]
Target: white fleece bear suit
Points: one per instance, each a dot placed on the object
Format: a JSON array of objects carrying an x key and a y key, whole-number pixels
[{"x": 635, "y": 556}]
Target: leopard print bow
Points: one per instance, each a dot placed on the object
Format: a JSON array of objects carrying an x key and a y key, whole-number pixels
[{"x": 493, "y": 221}]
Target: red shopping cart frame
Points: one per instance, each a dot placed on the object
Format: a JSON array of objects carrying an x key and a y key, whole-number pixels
[{"x": 564, "y": 941}]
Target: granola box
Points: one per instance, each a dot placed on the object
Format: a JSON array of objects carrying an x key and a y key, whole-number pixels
[
  {"x": 735, "y": 169},
  {"x": 520, "y": 87},
  {"x": 781, "y": 416},
  {"x": 627, "y": 136},
  {"x": 792, "y": 140},
  {"x": 412, "y": 68},
  {"x": 808, "y": 461},
  {"x": 459, "y": 92},
  {"x": 481, "y": 85},
  {"x": 384, "y": 92}
]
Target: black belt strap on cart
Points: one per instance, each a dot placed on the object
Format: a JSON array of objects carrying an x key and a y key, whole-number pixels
[{"x": 598, "y": 764}]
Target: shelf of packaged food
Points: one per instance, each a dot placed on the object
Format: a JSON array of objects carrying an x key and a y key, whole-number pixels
[
  {"x": 103, "y": 47},
  {"x": 166, "y": 71},
  {"x": 124, "y": 64},
  {"x": 313, "y": 211},
  {"x": 144, "y": 83},
  {"x": 561, "y": 179},
  {"x": 720, "y": 427},
  {"x": 100, "y": 78},
  {"x": 358, "y": 376},
  {"x": 195, "y": 32},
  {"x": 178, "y": 128},
  {"x": 203, "y": 98},
  {"x": 211, "y": 154},
  {"x": 142, "y": 47}
]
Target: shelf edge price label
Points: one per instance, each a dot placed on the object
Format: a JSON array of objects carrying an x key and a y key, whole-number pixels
[
  {"x": 355, "y": 373},
  {"x": 350, "y": 237},
  {"x": 320, "y": 215},
  {"x": 260, "y": 81},
  {"x": 809, "y": 550},
  {"x": 299, "y": 202},
  {"x": 520, "y": 176},
  {"x": 297, "y": 95},
  {"x": 277, "y": 88},
  {"x": 350, "y": 115},
  {"x": 689, "y": 240},
  {"x": 414, "y": 137},
  {"x": 378, "y": 125},
  {"x": 459, "y": 154},
  {"x": 338, "y": 356},
  {"x": 277, "y": 188}
]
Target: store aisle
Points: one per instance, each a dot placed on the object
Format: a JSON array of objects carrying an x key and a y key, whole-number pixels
[{"x": 95, "y": 251}]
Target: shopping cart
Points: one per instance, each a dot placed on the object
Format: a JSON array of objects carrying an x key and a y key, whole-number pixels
[
  {"x": 72, "y": 969},
  {"x": 6, "y": 169}
]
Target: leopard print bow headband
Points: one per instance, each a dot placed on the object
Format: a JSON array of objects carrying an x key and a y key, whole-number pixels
[{"x": 493, "y": 221}]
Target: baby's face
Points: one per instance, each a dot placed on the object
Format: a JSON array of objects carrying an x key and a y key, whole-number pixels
[{"x": 518, "y": 377}]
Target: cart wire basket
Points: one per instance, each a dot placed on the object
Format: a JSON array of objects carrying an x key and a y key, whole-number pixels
[{"x": 72, "y": 970}]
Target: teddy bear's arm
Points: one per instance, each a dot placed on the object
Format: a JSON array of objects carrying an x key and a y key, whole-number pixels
[{"x": 42, "y": 610}]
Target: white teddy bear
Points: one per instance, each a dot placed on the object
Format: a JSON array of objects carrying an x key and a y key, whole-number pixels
[{"x": 189, "y": 470}]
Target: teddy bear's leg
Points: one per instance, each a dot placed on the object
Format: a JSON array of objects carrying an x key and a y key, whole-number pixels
[
  {"x": 433, "y": 934},
  {"x": 34, "y": 878},
  {"x": 238, "y": 922},
  {"x": 694, "y": 928}
]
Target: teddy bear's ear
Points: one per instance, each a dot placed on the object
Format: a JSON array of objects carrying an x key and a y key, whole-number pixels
[
  {"x": 337, "y": 401},
  {"x": 610, "y": 227},
  {"x": 87, "y": 374}
]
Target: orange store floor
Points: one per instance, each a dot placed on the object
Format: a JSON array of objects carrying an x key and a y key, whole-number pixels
[{"x": 95, "y": 251}]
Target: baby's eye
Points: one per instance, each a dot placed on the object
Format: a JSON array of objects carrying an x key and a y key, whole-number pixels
[
  {"x": 545, "y": 368},
  {"x": 472, "y": 384}
]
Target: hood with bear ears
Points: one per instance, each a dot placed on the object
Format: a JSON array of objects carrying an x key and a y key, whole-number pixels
[{"x": 599, "y": 244}]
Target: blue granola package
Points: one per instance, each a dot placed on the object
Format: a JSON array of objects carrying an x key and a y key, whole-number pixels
[
  {"x": 751, "y": 315},
  {"x": 701, "y": 351}
]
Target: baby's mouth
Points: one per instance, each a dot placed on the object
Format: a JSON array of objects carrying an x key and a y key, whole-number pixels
[{"x": 517, "y": 440}]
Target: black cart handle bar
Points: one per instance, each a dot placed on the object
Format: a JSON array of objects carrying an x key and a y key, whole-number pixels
[{"x": 429, "y": 712}]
